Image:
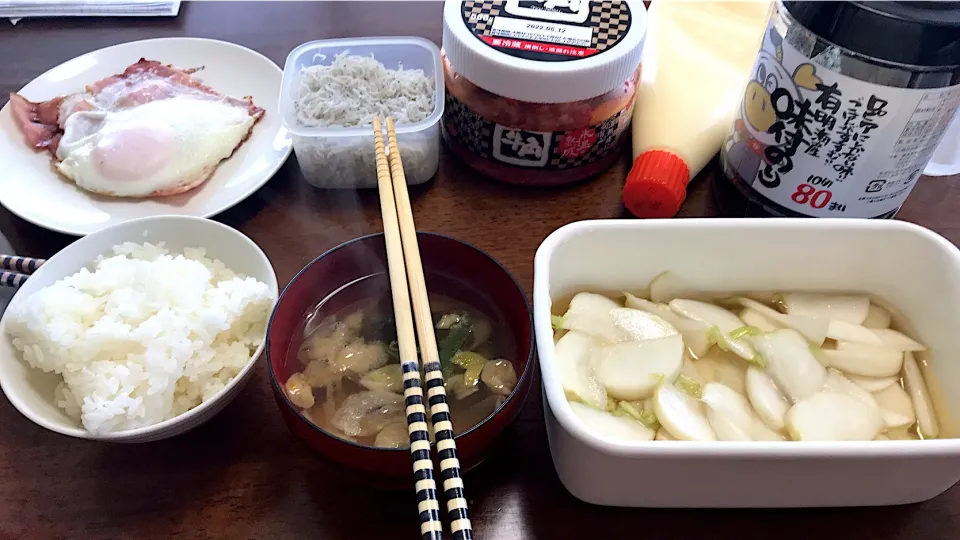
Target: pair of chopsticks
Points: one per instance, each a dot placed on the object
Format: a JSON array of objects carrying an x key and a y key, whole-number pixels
[
  {"x": 15, "y": 270},
  {"x": 404, "y": 264}
]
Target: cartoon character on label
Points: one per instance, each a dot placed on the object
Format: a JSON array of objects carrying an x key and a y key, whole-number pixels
[{"x": 759, "y": 122}]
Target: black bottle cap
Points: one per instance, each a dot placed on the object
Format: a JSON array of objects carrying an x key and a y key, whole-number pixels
[{"x": 916, "y": 33}]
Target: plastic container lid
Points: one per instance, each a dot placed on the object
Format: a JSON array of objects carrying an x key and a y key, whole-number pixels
[
  {"x": 914, "y": 33},
  {"x": 545, "y": 52},
  {"x": 656, "y": 185}
]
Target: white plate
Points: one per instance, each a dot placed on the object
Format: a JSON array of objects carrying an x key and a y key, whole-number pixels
[{"x": 31, "y": 189}]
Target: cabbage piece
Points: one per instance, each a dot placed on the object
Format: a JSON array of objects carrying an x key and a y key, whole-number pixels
[
  {"x": 812, "y": 328},
  {"x": 715, "y": 316},
  {"x": 367, "y": 413},
  {"x": 831, "y": 307},
  {"x": 790, "y": 363},
  {"x": 574, "y": 353},
  {"x": 394, "y": 435},
  {"x": 681, "y": 415},
  {"x": 389, "y": 378},
  {"x": 627, "y": 370},
  {"x": 866, "y": 360},
  {"x": 623, "y": 428},
  {"x": 832, "y": 416},
  {"x": 500, "y": 376},
  {"x": 896, "y": 407},
  {"x": 767, "y": 400},
  {"x": 915, "y": 386}
]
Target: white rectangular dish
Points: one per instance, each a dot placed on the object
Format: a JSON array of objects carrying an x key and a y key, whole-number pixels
[{"x": 910, "y": 267}]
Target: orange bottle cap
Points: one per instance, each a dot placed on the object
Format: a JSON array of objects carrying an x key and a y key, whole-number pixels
[{"x": 656, "y": 185}]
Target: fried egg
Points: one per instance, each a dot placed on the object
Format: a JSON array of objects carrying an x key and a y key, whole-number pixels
[{"x": 161, "y": 147}]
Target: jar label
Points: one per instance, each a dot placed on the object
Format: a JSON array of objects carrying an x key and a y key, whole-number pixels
[
  {"x": 823, "y": 144},
  {"x": 533, "y": 149},
  {"x": 548, "y": 30}
]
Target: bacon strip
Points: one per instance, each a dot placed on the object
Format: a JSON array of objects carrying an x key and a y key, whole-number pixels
[{"x": 142, "y": 82}]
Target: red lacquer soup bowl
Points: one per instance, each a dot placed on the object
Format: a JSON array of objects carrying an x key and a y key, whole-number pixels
[{"x": 348, "y": 272}]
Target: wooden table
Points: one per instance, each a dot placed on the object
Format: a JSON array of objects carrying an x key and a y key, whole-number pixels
[{"x": 243, "y": 475}]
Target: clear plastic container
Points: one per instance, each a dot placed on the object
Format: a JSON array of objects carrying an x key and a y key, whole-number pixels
[{"x": 345, "y": 157}]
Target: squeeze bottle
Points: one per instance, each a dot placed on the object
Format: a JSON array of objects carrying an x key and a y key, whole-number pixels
[{"x": 698, "y": 57}]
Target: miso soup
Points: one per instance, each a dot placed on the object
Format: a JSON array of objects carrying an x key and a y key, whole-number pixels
[{"x": 345, "y": 370}]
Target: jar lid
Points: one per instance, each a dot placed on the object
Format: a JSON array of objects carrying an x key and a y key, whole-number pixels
[
  {"x": 545, "y": 51},
  {"x": 912, "y": 33}
]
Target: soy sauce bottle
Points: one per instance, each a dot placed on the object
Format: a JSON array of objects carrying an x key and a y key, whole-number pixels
[{"x": 845, "y": 105}]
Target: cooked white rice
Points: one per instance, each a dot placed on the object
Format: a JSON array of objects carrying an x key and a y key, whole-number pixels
[{"x": 143, "y": 337}]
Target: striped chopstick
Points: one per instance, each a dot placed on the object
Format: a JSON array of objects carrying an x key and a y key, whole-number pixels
[
  {"x": 436, "y": 394},
  {"x": 426, "y": 487},
  {"x": 15, "y": 270},
  {"x": 25, "y": 265}
]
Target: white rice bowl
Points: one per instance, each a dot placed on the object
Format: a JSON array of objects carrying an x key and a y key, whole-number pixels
[{"x": 143, "y": 336}]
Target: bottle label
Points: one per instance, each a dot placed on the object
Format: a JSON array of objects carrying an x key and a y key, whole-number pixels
[
  {"x": 823, "y": 144},
  {"x": 533, "y": 149},
  {"x": 548, "y": 30}
]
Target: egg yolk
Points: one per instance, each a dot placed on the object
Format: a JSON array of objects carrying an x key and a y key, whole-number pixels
[{"x": 134, "y": 152}]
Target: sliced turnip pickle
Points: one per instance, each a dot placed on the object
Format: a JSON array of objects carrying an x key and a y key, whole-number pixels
[
  {"x": 638, "y": 411},
  {"x": 731, "y": 417},
  {"x": 913, "y": 382},
  {"x": 790, "y": 363},
  {"x": 832, "y": 416},
  {"x": 635, "y": 324},
  {"x": 723, "y": 367},
  {"x": 575, "y": 352},
  {"x": 589, "y": 313},
  {"x": 665, "y": 286},
  {"x": 499, "y": 376},
  {"x": 812, "y": 328},
  {"x": 610, "y": 426},
  {"x": 877, "y": 317},
  {"x": 754, "y": 318},
  {"x": 366, "y": 413},
  {"x": 837, "y": 383},
  {"x": 664, "y": 435},
  {"x": 865, "y": 360},
  {"x": 897, "y": 340},
  {"x": 681, "y": 415},
  {"x": 769, "y": 402},
  {"x": 873, "y": 384},
  {"x": 389, "y": 378},
  {"x": 902, "y": 433},
  {"x": 722, "y": 320},
  {"x": 844, "y": 331},
  {"x": 833, "y": 307},
  {"x": 896, "y": 407},
  {"x": 695, "y": 333},
  {"x": 690, "y": 371},
  {"x": 632, "y": 370}
]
